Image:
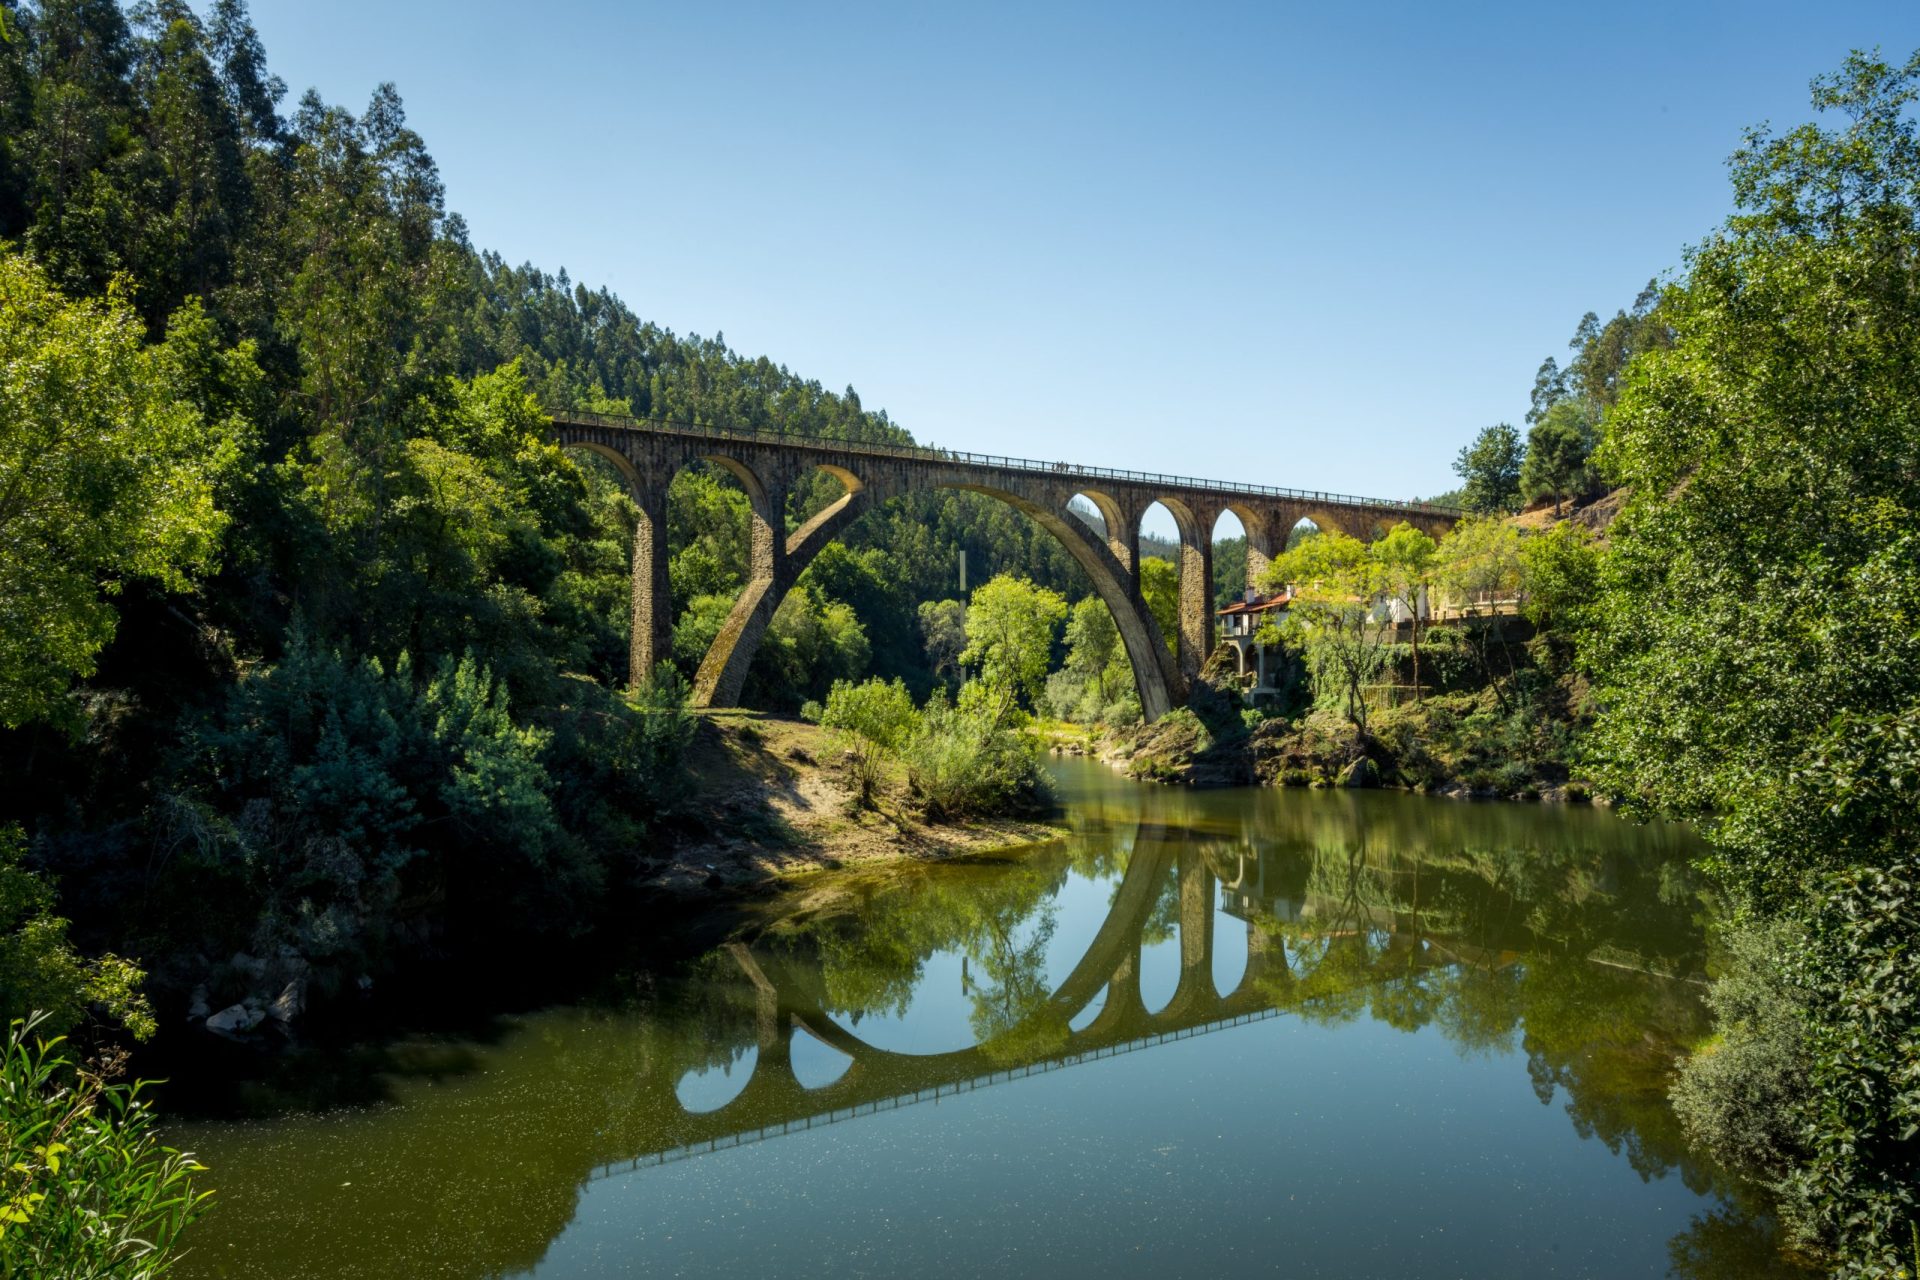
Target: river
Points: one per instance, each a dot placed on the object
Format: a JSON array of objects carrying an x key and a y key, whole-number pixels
[{"x": 1231, "y": 1032}]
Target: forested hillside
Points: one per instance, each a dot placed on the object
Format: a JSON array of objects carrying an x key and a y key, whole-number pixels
[{"x": 313, "y": 645}]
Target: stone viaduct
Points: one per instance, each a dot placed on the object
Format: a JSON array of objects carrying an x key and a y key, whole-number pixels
[{"x": 767, "y": 465}]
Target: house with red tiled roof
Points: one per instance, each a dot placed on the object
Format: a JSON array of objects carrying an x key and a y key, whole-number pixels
[{"x": 1240, "y": 623}]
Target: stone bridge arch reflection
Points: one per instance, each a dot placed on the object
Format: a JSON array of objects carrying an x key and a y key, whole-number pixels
[
  {"x": 1095, "y": 1011},
  {"x": 1332, "y": 913}
]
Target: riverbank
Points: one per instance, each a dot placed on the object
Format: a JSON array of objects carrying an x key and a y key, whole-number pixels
[
  {"x": 1471, "y": 743},
  {"x": 770, "y": 799}
]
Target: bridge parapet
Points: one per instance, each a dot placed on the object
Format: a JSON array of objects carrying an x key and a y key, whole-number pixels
[{"x": 1026, "y": 467}]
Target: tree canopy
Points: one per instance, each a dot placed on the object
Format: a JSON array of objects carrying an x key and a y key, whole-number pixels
[
  {"x": 109, "y": 462},
  {"x": 1753, "y": 636}
]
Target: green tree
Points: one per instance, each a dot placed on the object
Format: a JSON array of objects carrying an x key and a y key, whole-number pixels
[
  {"x": 1560, "y": 577},
  {"x": 1404, "y": 561},
  {"x": 943, "y": 629},
  {"x": 1010, "y": 632},
  {"x": 1558, "y": 451},
  {"x": 1094, "y": 683},
  {"x": 1334, "y": 580},
  {"x": 1160, "y": 588},
  {"x": 1478, "y": 567},
  {"x": 1489, "y": 470},
  {"x": 1754, "y": 650},
  {"x": 874, "y": 720},
  {"x": 107, "y": 474}
]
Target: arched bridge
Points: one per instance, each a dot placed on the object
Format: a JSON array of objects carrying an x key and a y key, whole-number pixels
[{"x": 768, "y": 465}]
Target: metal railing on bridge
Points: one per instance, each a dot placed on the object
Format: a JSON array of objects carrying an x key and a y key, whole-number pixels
[{"x": 926, "y": 453}]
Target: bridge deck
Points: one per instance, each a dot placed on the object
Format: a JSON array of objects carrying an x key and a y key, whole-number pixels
[{"x": 1026, "y": 466}]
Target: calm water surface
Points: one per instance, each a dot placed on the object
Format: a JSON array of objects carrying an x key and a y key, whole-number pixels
[{"x": 1305, "y": 1033}]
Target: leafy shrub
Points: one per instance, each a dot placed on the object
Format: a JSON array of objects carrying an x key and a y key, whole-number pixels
[
  {"x": 1742, "y": 1096},
  {"x": 342, "y": 807},
  {"x": 622, "y": 755},
  {"x": 1859, "y": 1186},
  {"x": 39, "y": 969},
  {"x": 963, "y": 763},
  {"x": 872, "y": 720},
  {"x": 87, "y": 1192}
]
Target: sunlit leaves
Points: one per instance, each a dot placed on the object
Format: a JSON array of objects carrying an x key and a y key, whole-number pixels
[{"x": 107, "y": 474}]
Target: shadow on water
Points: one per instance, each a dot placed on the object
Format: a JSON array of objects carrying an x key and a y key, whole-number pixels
[{"x": 1563, "y": 939}]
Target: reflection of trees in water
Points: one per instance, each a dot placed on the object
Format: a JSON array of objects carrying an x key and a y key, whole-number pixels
[
  {"x": 867, "y": 955},
  {"x": 1483, "y": 943},
  {"x": 1494, "y": 946}
]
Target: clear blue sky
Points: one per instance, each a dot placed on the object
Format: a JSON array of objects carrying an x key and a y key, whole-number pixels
[{"x": 1317, "y": 246}]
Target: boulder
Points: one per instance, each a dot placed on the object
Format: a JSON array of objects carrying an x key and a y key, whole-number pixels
[
  {"x": 198, "y": 1005},
  {"x": 234, "y": 1019}
]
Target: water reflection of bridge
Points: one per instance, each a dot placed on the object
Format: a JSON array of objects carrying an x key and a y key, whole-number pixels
[{"x": 1104, "y": 983}]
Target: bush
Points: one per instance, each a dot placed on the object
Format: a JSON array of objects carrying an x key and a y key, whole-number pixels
[
  {"x": 86, "y": 1190},
  {"x": 349, "y": 810},
  {"x": 874, "y": 720},
  {"x": 39, "y": 969},
  {"x": 962, "y": 763},
  {"x": 1859, "y": 1186},
  {"x": 1742, "y": 1095}
]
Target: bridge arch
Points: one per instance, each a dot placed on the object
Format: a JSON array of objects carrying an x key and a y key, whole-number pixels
[
  {"x": 1256, "y": 530},
  {"x": 770, "y": 467},
  {"x": 1119, "y": 527},
  {"x": 1158, "y": 681}
]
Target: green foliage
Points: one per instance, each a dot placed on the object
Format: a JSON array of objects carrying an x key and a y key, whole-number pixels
[
  {"x": 1160, "y": 588},
  {"x": 813, "y": 641},
  {"x": 108, "y": 465},
  {"x": 1334, "y": 578},
  {"x": 1859, "y": 1185},
  {"x": 87, "y": 1191},
  {"x": 708, "y": 518},
  {"x": 1744, "y": 1096},
  {"x": 1010, "y": 631},
  {"x": 1489, "y": 470},
  {"x": 967, "y": 761},
  {"x": 39, "y": 968},
  {"x": 332, "y": 799},
  {"x": 873, "y": 720},
  {"x": 1558, "y": 452},
  {"x": 1753, "y": 642},
  {"x": 1405, "y": 559},
  {"x": 1595, "y": 377},
  {"x": 1229, "y": 571},
  {"x": 943, "y": 628},
  {"x": 963, "y": 760},
  {"x": 1560, "y": 577},
  {"x": 1095, "y": 685}
]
